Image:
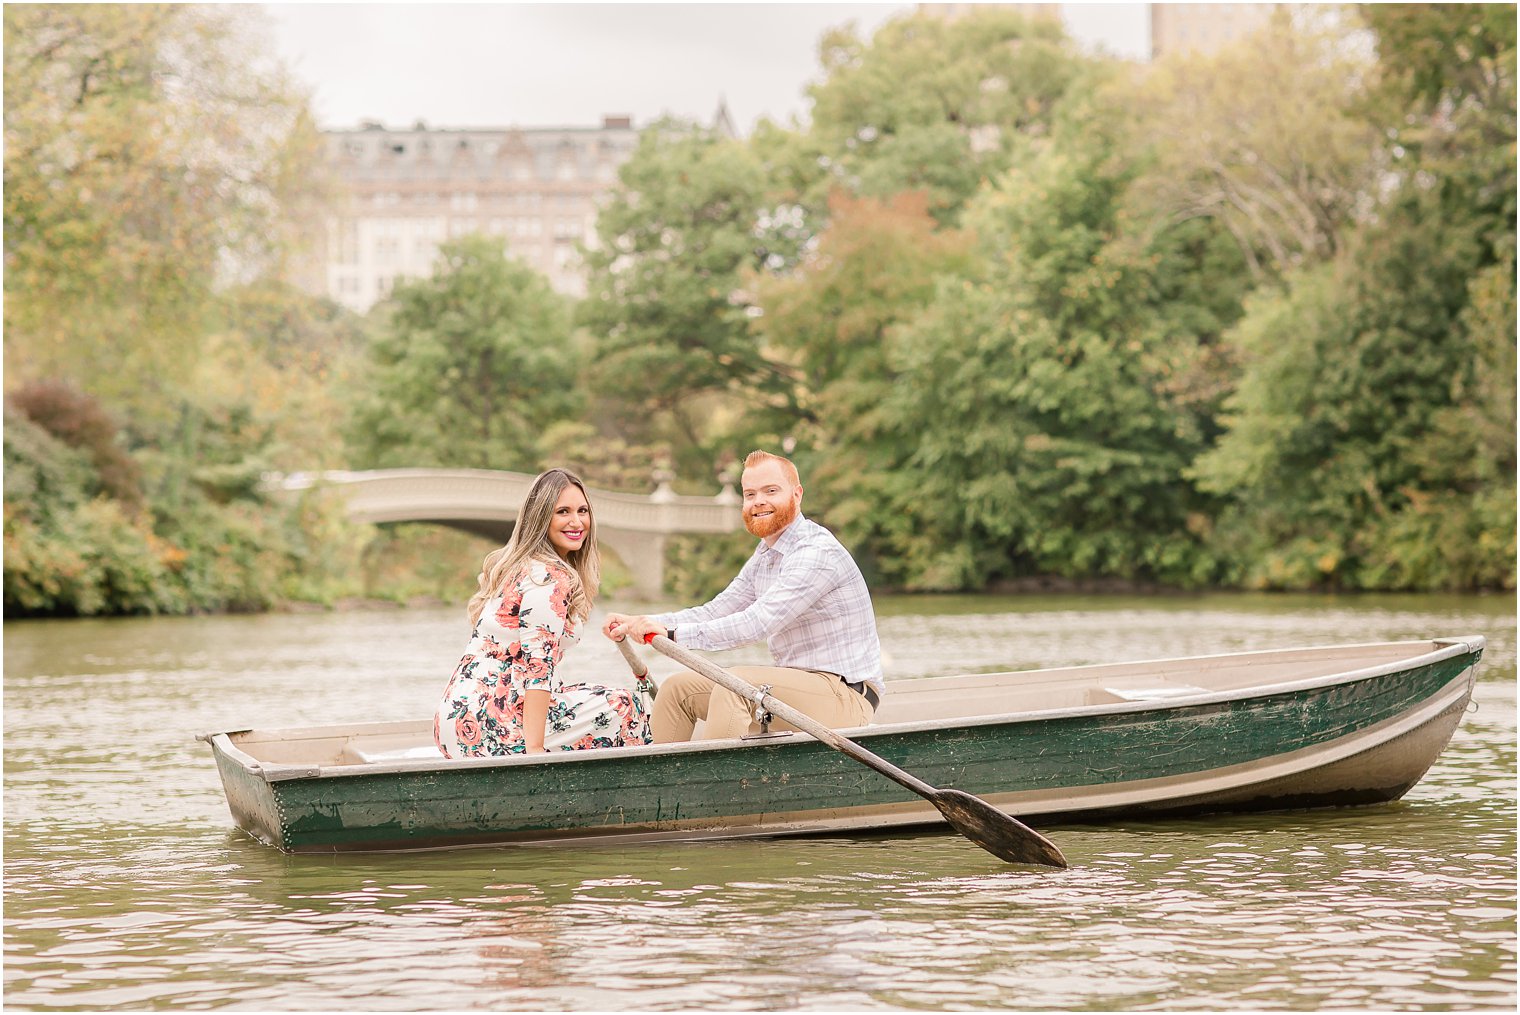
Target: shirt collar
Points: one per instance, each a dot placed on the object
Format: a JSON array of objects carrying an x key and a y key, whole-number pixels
[{"x": 789, "y": 538}]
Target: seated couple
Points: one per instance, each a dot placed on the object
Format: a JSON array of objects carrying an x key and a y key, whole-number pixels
[{"x": 801, "y": 591}]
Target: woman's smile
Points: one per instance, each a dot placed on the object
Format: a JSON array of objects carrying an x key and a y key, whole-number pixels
[{"x": 571, "y": 521}]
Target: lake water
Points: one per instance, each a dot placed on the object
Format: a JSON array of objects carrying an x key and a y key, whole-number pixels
[{"x": 126, "y": 886}]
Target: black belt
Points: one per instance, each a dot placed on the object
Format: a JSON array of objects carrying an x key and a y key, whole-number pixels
[{"x": 867, "y": 690}]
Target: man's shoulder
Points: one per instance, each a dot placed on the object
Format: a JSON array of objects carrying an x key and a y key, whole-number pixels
[
  {"x": 810, "y": 531},
  {"x": 814, "y": 540}
]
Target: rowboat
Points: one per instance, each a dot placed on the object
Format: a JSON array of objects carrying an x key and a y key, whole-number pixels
[{"x": 1251, "y": 731}]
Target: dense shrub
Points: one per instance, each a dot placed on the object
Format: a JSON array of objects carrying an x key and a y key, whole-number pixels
[{"x": 79, "y": 420}]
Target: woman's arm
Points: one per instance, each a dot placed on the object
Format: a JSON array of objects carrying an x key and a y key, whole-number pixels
[
  {"x": 535, "y": 719},
  {"x": 542, "y": 616}
]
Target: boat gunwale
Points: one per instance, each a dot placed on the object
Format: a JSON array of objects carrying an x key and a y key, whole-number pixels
[{"x": 271, "y": 772}]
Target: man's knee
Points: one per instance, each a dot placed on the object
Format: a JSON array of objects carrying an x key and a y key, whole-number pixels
[{"x": 682, "y": 685}]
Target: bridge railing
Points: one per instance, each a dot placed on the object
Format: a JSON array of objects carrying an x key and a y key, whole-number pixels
[{"x": 395, "y": 495}]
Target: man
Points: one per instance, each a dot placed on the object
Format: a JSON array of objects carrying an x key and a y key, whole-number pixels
[{"x": 802, "y": 592}]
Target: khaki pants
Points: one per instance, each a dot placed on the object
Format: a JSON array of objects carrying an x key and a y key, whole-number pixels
[{"x": 686, "y": 697}]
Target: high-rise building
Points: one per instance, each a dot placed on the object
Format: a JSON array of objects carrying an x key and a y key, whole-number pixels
[
  {"x": 1203, "y": 28},
  {"x": 958, "y": 10},
  {"x": 1173, "y": 27},
  {"x": 407, "y": 191}
]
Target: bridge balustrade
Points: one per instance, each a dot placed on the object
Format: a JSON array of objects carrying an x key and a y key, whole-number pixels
[{"x": 485, "y": 502}]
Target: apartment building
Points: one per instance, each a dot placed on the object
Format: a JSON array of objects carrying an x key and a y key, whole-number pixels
[
  {"x": 407, "y": 191},
  {"x": 1173, "y": 28},
  {"x": 960, "y": 10},
  {"x": 1203, "y": 28}
]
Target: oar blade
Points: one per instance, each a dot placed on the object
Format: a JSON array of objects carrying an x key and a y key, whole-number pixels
[{"x": 1005, "y": 837}]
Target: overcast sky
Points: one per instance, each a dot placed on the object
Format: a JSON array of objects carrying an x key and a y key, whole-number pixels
[{"x": 568, "y": 64}]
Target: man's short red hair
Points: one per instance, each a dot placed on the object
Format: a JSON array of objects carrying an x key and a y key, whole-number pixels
[{"x": 787, "y": 468}]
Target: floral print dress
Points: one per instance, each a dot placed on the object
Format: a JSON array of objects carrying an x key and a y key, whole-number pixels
[{"x": 516, "y": 647}]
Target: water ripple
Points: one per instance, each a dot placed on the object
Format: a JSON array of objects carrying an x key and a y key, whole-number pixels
[{"x": 126, "y": 888}]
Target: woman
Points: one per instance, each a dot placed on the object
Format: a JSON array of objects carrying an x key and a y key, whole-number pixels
[{"x": 506, "y": 696}]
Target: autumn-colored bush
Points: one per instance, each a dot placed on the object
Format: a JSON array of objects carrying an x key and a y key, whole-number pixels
[{"x": 80, "y": 421}]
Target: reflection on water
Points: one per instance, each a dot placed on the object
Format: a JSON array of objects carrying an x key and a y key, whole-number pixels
[{"x": 126, "y": 887}]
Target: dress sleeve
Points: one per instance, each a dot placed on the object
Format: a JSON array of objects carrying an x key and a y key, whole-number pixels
[{"x": 541, "y": 621}]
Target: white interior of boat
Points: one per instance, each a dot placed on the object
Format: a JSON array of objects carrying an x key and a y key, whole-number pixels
[{"x": 929, "y": 701}]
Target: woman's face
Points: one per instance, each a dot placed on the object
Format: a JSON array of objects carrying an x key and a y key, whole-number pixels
[{"x": 571, "y": 522}]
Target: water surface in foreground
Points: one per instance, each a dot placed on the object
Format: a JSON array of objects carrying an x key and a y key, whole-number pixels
[{"x": 126, "y": 886}]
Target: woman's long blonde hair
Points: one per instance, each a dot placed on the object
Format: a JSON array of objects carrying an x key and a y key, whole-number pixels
[{"x": 530, "y": 541}]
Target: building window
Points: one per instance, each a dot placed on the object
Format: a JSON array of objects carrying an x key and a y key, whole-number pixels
[{"x": 348, "y": 243}]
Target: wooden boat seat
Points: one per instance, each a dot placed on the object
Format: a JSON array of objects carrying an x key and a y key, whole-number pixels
[
  {"x": 363, "y": 757},
  {"x": 1155, "y": 693}
]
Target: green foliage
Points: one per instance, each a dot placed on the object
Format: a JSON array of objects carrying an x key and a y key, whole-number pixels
[
  {"x": 78, "y": 420},
  {"x": 1370, "y": 441},
  {"x": 43, "y": 475},
  {"x": 93, "y": 559},
  {"x": 699, "y": 567},
  {"x": 70, "y": 547},
  {"x": 931, "y": 104},
  {"x": 410, "y": 562},
  {"x": 1242, "y": 319},
  {"x": 1045, "y": 409},
  {"x": 607, "y": 463},
  {"x": 146, "y": 158},
  {"x": 673, "y": 358},
  {"x": 873, "y": 268},
  {"x": 468, "y": 366},
  {"x": 209, "y": 539},
  {"x": 1266, "y": 139},
  {"x": 1458, "y": 55}
]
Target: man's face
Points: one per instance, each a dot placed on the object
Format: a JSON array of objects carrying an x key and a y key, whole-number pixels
[{"x": 771, "y": 500}]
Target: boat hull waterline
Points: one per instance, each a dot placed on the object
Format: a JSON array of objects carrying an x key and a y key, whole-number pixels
[{"x": 1349, "y": 725}]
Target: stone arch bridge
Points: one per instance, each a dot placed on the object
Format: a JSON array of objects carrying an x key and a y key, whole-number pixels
[{"x": 485, "y": 503}]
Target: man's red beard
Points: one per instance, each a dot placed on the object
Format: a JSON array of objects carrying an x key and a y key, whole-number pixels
[{"x": 762, "y": 527}]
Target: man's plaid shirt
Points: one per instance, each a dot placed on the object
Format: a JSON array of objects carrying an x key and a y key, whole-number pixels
[{"x": 804, "y": 596}]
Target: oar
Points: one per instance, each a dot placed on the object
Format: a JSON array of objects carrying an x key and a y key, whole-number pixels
[
  {"x": 1003, "y": 836},
  {"x": 640, "y": 671}
]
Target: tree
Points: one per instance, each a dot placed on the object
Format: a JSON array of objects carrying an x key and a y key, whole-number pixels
[
  {"x": 1266, "y": 138},
  {"x": 149, "y": 158},
  {"x": 929, "y": 104},
  {"x": 674, "y": 359},
  {"x": 874, "y": 267},
  {"x": 1046, "y": 408},
  {"x": 1370, "y": 443},
  {"x": 468, "y": 367}
]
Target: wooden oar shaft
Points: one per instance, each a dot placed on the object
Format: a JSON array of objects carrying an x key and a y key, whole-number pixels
[
  {"x": 781, "y": 710},
  {"x": 634, "y": 662},
  {"x": 640, "y": 671}
]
